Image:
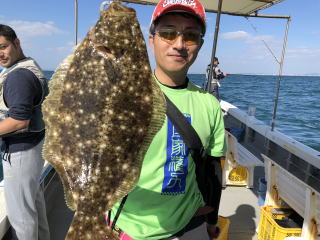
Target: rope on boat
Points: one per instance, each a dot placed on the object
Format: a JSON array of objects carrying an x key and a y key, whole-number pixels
[{"x": 75, "y": 22}]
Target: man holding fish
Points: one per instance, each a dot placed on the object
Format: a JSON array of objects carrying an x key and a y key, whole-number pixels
[{"x": 166, "y": 202}]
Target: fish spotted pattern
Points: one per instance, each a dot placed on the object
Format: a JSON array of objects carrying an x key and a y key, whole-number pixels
[{"x": 101, "y": 115}]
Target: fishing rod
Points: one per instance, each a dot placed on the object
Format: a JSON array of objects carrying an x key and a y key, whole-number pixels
[
  {"x": 276, "y": 98},
  {"x": 214, "y": 47},
  {"x": 75, "y": 22},
  {"x": 280, "y": 75}
]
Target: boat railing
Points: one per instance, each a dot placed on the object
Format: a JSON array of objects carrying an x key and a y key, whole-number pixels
[
  {"x": 284, "y": 187},
  {"x": 291, "y": 145}
]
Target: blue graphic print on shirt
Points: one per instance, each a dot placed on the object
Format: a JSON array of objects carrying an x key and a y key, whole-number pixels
[{"x": 176, "y": 167}]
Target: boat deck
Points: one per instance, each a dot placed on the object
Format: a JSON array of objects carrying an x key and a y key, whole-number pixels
[
  {"x": 240, "y": 205},
  {"x": 59, "y": 215}
]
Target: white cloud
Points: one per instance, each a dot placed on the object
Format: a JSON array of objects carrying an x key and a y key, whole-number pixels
[
  {"x": 34, "y": 29},
  {"x": 267, "y": 38},
  {"x": 57, "y": 54},
  {"x": 249, "y": 38},
  {"x": 236, "y": 35},
  {"x": 67, "y": 48},
  {"x": 313, "y": 32},
  {"x": 304, "y": 51}
]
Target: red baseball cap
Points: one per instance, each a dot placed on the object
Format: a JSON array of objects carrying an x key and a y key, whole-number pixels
[{"x": 193, "y": 7}]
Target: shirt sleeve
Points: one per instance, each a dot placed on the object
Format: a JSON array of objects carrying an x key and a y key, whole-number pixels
[
  {"x": 219, "y": 74},
  {"x": 217, "y": 143},
  {"x": 22, "y": 91}
]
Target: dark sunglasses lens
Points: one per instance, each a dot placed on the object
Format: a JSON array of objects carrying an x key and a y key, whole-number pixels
[
  {"x": 168, "y": 34},
  {"x": 191, "y": 38}
]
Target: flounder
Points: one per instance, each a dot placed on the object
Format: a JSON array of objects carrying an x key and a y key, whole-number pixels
[{"x": 101, "y": 115}]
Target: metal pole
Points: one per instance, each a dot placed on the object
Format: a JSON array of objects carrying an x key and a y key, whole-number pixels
[
  {"x": 213, "y": 54},
  {"x": 280, "y": 76},
  {"x": 75, "y": 22}
]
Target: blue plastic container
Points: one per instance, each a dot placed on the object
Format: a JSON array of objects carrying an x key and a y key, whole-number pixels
[{"x": 262, "y": 190}]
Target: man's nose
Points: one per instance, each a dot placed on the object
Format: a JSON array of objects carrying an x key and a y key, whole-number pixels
[{"x": 179, "y": 43}]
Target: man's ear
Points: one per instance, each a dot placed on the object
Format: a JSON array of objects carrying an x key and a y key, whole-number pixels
[
  {"x": 200, "y": 45},
  {"x": 17, "y": 43},
  {"x": 151, "y": 42}
]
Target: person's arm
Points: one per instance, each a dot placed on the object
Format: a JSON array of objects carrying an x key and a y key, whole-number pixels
[
  {"x": 219, "y": 74},
  {"x": 215, "y": 162},
  {"x": 20, "y": 92},
  {"x": 212, "y": 217},
  {"x": 216, "y": 149},
  {"x": 11, "y": 125}
]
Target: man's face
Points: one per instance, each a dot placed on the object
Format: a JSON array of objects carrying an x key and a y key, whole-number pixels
[
  {"x": 176, "y": 56},
  {"x": 9, "y": 52}
]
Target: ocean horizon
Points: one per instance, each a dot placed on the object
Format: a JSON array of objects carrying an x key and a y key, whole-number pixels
[
  {"x": 298, "y": 112},
  {"x": 297, "y": 119}
]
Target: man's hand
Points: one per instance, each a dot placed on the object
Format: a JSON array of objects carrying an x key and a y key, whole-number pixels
[{"x": 213, "y": 231}]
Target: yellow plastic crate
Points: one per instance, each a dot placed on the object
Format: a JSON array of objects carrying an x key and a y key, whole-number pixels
[
  {"x": 223, "y": 224},
  {"x": 280, "y": 212},
  {"x": 238, "y": 176},
  {"x": 270, "y": 230}
]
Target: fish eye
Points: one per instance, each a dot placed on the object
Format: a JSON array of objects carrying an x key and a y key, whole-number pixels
[
  {"x": 103, "y": 49},
  {"x": 109, "y": 53}
]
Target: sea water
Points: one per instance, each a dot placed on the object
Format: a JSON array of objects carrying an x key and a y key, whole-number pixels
[{"x": 298, "y": 110}]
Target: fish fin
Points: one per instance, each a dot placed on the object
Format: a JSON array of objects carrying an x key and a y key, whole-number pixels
[
  {"x": 157, "y": 121},
  {"x": 51, "y": 114},
  {"x": 84, "y": 227},
  {"x": 57, "y": 78}
]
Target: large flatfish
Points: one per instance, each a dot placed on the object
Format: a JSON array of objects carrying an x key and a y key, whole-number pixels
[{"x": 101, "y": 115}]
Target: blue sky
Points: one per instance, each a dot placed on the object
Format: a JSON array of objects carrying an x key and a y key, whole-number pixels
[{"x": 46, "y": 30}]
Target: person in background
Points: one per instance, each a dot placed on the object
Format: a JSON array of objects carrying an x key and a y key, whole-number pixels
[
  {"x": 216, "y": 77},
  {"x": 167, "y": 203},
  {"x": 23, "y": 88}
]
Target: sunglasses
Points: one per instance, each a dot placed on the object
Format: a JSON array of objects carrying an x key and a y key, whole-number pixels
[{"x": 190, "y": 36}]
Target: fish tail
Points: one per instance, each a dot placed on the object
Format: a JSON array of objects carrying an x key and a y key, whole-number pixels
[{"x": 90, "y": 228}]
